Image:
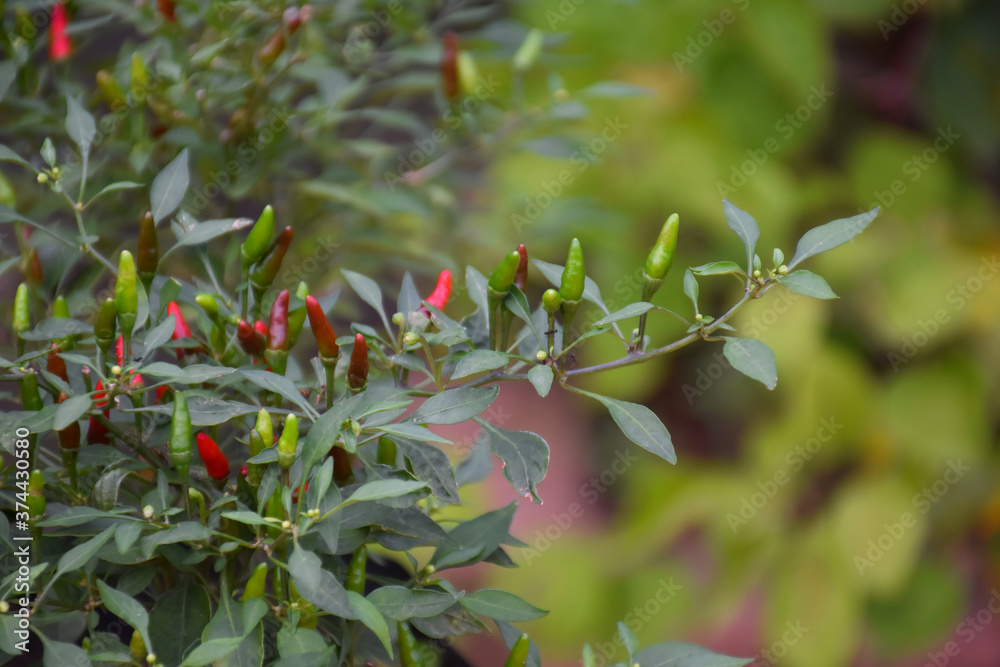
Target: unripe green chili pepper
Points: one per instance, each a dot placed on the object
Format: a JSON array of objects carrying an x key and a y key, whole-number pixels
[
  {"x": 503, "y": 276},
  {"x": 519, "y": 652},
  {"x": 276, "y": 353},
  {"x": 357, "y": 370},
  {"x": 274, "y": 510},
  {"x": 138, "y": 79},
  {"x": 409, "y": 650},
  {"x": 297, "y": 316},
  {"x": 267, "y": 268},
  {"x": 287, "y": 442},
  {"x": 255, "y": 584},
  {"x": 258, "y": 239},
  {"x": 386, "y": 451},
  {"x": 30, "y": 398},
  {"x": 60, "y": 308},
  {"x": 137, "y": 647},
  {"x": 199, "y": 499},
  {"x": 126, "y": 294},
  {"x": 356, "y": 573},
  {"x": 660, "y": 258},
  {"x": 104, "y": 325},
  {"x": 527, "y": 53},
  {"x": 255, "y": 471},
  {"x": 326, "y": 337},
  {"x": 572, "y": 284},
  {"x": 180, "y": 436},
  {"x": 36, "y": 494},
  {"x": 112, "y": 93},
  {"x": 208, "y": 304},
  {"x": 22, "y": 311},
  {"x": 265, "y": 427},
  {"x": 468, "y": 73},
  {"x": 148, "y": 257}
]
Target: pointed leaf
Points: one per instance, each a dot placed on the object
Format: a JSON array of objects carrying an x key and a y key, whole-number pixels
[
  {"x": 8, "y": 155},
  {"x": 639, "y": 424},
  {"x": 368, "y": 614},
  {"x": 369, "y": 292},
  {"x": 501, "y": 605},
  {"x": 431, "y": 465},
  {"x": 745, "y": 227},
  {"x": 383, "y": 488},
  {"x": 525, "y": 458},
  {"x": 177, "y": 620},
  {"x": 807, "y": 283},
  {"x": 540, "y": 377},
  {"x": 832, "y": 234},
  {"x": 281, "y": 385},
  {"x": 398, "y": 603},
  {"x": 408, "y": 299},
  {"x": 126, "y": 608},
  {"x": 631, "y": 310},
  {"x": 454, "y": 406},
  {"x": 717, "y": 268},
  {"x": 691, "y": 289},
  {"x": 80, "y": 125},
  {"x": 70, "y": 410},
  {"x": 629, "y": 641},
  {"x": 81, "y": 554},
  {"x": 318, "y": 585},
  {"x": 752, "y": 358},
  {"x": 169, "y": 187},
  {"x": 478, "y": 361}
]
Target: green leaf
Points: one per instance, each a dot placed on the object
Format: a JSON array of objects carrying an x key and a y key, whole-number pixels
[
  {"x": 169, "y": 187},
  {"x": 249, "y": 518},
  {"x": 8, "y": 155},
  {"x": 80, "y": 126},
  {"x": 60, "y": 654},
  {"x": 106, "y": 490},
  {"x": 318, "y": 585},
  {"x": 832, "y": 234},
  {"x": 745, "y": 227},
  {"x": 517, "y": 302},
  {"x": 193, "y": 374},
  {"x": 398, "y": 603},
  {"x": 414, "y": 431},
  {"x": 478, "y": 361},
  {"x": 752, "y": 358},
  {"x": 431, "y": 465},
  {"x": 408, "y": 299},
  {"x": 369, "y": 292},
  {"x": 157, "y": 336},
  {"x": 126, "y": 608},
  {"x": 691, "y": 289},
  {"x": 71, "y": 410},
  {"x": 8, "y": 72},
  {"x": 475, "y": 539},
  {"x": 304, "y": 642},
  {"x": 281, "y": 385},
  {"x": 631, "y": 310},
  {"x": 81, "y": 554},
  {"x": 57, "y": 327},
  {"x": 383, "y": 488},
  {"x": 177, "y": 620},
  {"x": 525, "y": 458},
  {"x": 639, "y": 424},
  {"x": 185, "y": 531},
  {"x": 368, "y": 614},
  {"x": 454, "y": 406},
  {"x": 540, "y": 377},
  {"x": 120, "y": 185},
  {"x": 203, "y": 232},
  {"x": 717, "y": 269},
  {"x": 211, "y": 651},
  {"x": 807, "y": 283},
  {"x": 629, "y": 641},
  {"x": 681, "y": 654},
  {"x": 501, "y": 605},
  {"x": 48, "y": 152},
  {"x": 476, "y": 283}
]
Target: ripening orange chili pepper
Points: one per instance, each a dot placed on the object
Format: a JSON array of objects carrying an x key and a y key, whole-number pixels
[
  {"x": 326, "y": 337},
  {"x": 55, "y": 364},
  {"x": 449, "y": 65},
  {"x": 357, "y": 370}
]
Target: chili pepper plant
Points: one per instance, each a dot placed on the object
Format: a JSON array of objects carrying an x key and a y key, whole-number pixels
[{"x": 307, "y": 525}]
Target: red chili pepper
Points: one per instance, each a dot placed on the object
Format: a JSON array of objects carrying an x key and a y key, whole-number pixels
[
  {"x": 449, "y": 66},
  {"x": 244, "y": 470},
  {"x": 260, "y": 328},
  {"x": 250, "y": 338},
  {"x": 97, "y": 433},
  {"x": 69, "y": 437},
  {"x": 60, "y": 46},
  {"x": 277, "y": 325},
  {"x": 33, "y": 271},
  {"x": 136, "y": 381},
  {"x": 55, "y": 364},
  {"x": 521, "y": 277},
  {"x": 215, "y": 461},
  {"x": 166, "y": 8},
  {"x": 160, "y": 391},
  {"x": 295, "y": 493},
  {"x": 326, "y": 337},
  {"x": 181, "y": 329},
  {"x": 294, "y": 17},
  {"x": 442, "y": 291},
  {"x": 357, "y": 371}
]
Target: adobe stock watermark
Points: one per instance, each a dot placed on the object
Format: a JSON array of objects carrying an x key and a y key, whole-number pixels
[
  {"x": 967, "y": 629},
  {"x": 779, "y": 648},
  {"x": 914, "y": 168},
  {"x": 957, "y": 297},
  {"x": 922, "y": 503},
  {"x": 785, "y": 127},
  {"x": 582, "y": 158},
  {"x": 697, "y": 44},
  {"x": 591, "y": 491},
  {"x": 637, "y": 619},
  {"x": 795, "y": 460}
]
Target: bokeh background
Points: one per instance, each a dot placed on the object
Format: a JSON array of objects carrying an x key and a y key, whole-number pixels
[{"x": 850, "y": 517}]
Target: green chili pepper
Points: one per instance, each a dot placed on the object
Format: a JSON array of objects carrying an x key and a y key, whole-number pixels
[
  {"x": 60, "y": 308},
  {"x": 137, "y": 647},
  {"x": 386, "y": 451},
  {"x": 255, "y": 584},
  {"x": 356, "y": 573},
  {"x": 112, "y": 93},
  {"x": 255, "y": 471},
  {"x": 208, "y": 304},
  {"x": 287, "y": 442},
  {"x": 22, "y": 311},
  {"x": 104, "y": 325},
  {"x": 297, "y": 316},
  {"x": 199, "y": 499},
  {"x": 519, "y": 652},
  {"x": 265, "y": 427},
  {"x": 409, "y": 650},
  {"x": 660, "y": 258},
  {"x": 148, "y": 256},
  {"x": 503, "y": 276},
  {"x": 30, "y": 397},
  {"x": 274, "y": 510},
  {"x": 180, "y": 436},
  {"x": 36, "y": 494},
  {"x": 267, "y": 268},
  {"x": 357, "y": 370},
  {"x": 572, "y": 284},
  {"x": 258, "y": 239},
  {"x": 529, "y": 50},
  {"x": 126, "y": 294}
]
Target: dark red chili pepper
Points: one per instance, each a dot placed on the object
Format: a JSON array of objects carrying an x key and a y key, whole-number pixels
[
  {"x": 267, "y": 268},
  {"x": 357, "y": 371},
  {"x": 343, "y": 465},
  {"x": 272, "y": 48},
  {"x": 215, "y": 461},
  {"x": 60, "y": 46},
  {"x": 55, "y": 364},
  {"x": 442, "y": 291},
  {"x": 277, "y": 324},
  {"x": 244, "y": 470},
  {"x": 147, "y": 258},
  {"x": 250, "y": 338},
  {"x": 97, "y": 433},
  {"x": 69, "y": 437},
  {"x": 326, "y": 337},
  {"x": 449, "y": 67},
  {"x": 166, "y": 8},
  {"x": 33, "y": 270},
  {"x": 521, "y": 277}
]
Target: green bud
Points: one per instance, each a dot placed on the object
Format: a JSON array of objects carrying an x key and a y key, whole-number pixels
[{"x": 551, "y": 300}]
